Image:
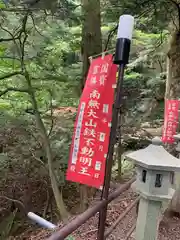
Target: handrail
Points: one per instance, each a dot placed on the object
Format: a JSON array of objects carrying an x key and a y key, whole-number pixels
[
  {"x": 41, "y": 221},
  {"x": 128, "y": 209},
  {"x": 131, "y": 230},
  {"x": 81, "y": 219}
]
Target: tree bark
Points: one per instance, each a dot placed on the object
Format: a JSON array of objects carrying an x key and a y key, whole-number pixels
[
  {"x": 47, "y": 148},
  {"x": 173, "y": 76},
  {"x": 91, "y": 33},
  {"x": 119, "y": 149},
  {"x": 91, "y": 45},
  {"x": 173, "y": 92}
]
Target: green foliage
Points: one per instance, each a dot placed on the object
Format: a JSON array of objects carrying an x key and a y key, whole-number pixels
[
  {"x": 60, "y": 144},
  {"x": 151, "y": 16},
  {"x": 2, "y": 4},
  {"x": 133, "y": 80},
  {"x": 70, "y": 238},
  {"x": 53, "y": 60},
  {"x": 4, "y": 164},
  {"x": 7, "y": 224}
]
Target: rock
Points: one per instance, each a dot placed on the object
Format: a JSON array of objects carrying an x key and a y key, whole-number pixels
[
  {"x": 158, "y": 121},
  {"x": 154, "y": 131},
  {"x": 135, "y": 143},
  {"x": 146, "y": 125},
  {"x": 145, "y": 105},
  {"x": 175, "y": 202}
]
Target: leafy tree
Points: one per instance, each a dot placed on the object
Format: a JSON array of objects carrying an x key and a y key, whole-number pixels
[
  {"x": 91, "y": 44},
  {"x": 91, "y": 33},
  {"x": 44, "y": 57},
  {"x": 22, "y": 68},
  {"x": 160, "y": 16}
]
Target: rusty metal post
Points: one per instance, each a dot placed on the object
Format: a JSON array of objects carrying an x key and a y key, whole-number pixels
[
  {"x": 121, "y": 58},
  {"x": 82, "y": 218},
  {"x": 109, "y": 160}
]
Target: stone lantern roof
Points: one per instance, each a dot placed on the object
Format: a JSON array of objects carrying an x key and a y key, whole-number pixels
[{"x": 155, "y": 157}]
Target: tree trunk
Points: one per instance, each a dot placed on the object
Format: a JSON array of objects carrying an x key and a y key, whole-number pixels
[
  {"x": 173, "y": 92},
  {"x": 119, "y": 154},
  {"x": 47, "y": 148},
  {"x": 91, "y": 45},
  {"x": 173, "y": 80},
  {"x": 91, "y": 33},
  {"x": 83, "y": 198},
  {"x": 119, "y": 149}
]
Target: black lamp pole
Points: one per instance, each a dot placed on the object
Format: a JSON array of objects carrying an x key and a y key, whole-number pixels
[{"x": 121, "y": 58}]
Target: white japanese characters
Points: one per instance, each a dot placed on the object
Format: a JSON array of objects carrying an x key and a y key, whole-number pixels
[
  {"x": 89, "y": 132},
  {"x": 93, "y": 80},
  {"x": 93, "y": 104},
  {"x": 98, "y": 166},
  {"x": 171, "y": 120},
  {"x": 95, "y": 94},
  {"x": 89, "y": 141},
  {"x": 86, "y": 161},
  {"x": 104, "y": 68},
  {"x": 102, "y": 137},
  {"x": 87, "y": 151},
  {"x": 91, "y": 123},
  {"x": 77, "y": 133},
  {"x": 102, "y": 80},
  {"x": 96, "y": 70},
  {"x": 105, "y": 108},
  {"x": 84, "y": 171},
  {"x": 94, "y": 112},
  {"x": 102, "y": 71}
]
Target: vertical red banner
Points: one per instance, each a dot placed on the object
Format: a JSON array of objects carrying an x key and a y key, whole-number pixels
[
  {"x": 171, "y": 115},
  {"x": 93, "y": 124}
]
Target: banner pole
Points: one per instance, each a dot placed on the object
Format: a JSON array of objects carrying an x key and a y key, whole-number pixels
[{"x": 121, "y": 58}]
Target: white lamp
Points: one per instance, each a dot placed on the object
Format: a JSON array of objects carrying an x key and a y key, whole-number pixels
[
  {"x": 125, "y": 28},
  {"x": 124, "y": 36},
  {"x": 41, "y": 221},
  {"x": 121, "y": 58}
]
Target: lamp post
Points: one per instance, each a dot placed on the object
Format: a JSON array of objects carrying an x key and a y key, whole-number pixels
[{"x": 121, "y": 58}]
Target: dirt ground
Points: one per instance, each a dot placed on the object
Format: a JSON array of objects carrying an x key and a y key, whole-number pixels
[
  {"x": 169, "y": 228},
  {"x": 19, "y": 182}
]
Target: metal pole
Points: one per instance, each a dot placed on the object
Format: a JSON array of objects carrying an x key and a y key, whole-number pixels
[
  {"x": 121, "y": 58},
  {"x": 109, "y": 160},
  {"x": 82, "y": 218},
  {"x": 41, "y": 221}
]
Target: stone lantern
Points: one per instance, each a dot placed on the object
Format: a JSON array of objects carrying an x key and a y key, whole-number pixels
[
  {"x": 155, "y": 183},
  {"x": 177, "y": 139}
]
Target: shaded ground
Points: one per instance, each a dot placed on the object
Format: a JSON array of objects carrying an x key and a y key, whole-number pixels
[
  {"x": 23, "y": 174},
  {"x": 169, "y": 227},
  {"x": 24, "y": 178}
]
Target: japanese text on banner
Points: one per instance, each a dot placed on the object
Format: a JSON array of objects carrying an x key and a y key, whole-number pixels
[
  {"x": 93, "y": 123},
  {"x": 171, "y": 114}
]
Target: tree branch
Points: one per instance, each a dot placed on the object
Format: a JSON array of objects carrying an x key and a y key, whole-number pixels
[
  {"x": 8, "y": 75},
  {"x": 8, "y": 57},
  {"x": 35, "y": 27},
  {"x": 17, "y": 202},
  {"x": 31, "y": 3},
  {"x": 13, "y": 90},
  {"x": 12, "y": 38},
  {"x": 6, "y": 39},
  {"x": 110, "y": 35},
  {"x": 18, "y": 10},
  {"x": 52, "y": 119},
  {"x": 177, "y": 5}
]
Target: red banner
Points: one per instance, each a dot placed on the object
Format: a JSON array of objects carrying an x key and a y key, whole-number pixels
[
  {"x": 93, "y": 124},
  {"x": 171, "y": 115}
]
